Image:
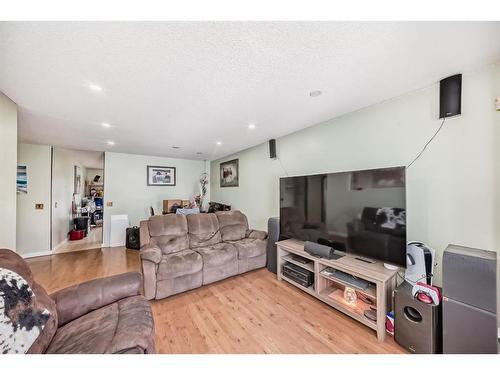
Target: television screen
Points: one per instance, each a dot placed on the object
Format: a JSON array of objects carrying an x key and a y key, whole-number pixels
[{"x": 361, "y": 212}]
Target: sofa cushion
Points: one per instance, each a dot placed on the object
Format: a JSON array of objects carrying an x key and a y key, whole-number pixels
[
  {"x": 203, "y": 230},
  {"x": 218, "y": 254},
  {"x": 32, "y": 313},
  {"x": 233, "y": 225},
  {"x": 250, "y": 247},
  {"x": 169, "y": 232},
  {"x": 179, "y": 264},
  {"x": 123, "y": 326}
]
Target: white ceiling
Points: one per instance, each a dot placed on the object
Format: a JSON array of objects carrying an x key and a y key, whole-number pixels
[{"x": 191, "y": 84}]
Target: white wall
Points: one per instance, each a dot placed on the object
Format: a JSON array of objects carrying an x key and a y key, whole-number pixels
[
  {"x": 63, "y": 163},
  {"x": 450, "y": 189},
  {"x": 125, "y": 184},
  {"x": 33, "y": 226},
  {"x": 8, "y": 171}
]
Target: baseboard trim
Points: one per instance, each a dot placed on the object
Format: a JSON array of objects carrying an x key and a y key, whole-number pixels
[
  {"x": 60, "y": 244},
  {"x": 37, "y": 254}
]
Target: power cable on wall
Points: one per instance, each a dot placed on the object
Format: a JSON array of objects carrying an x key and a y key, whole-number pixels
[
  {"x": 427, "y": 144},
  {"x": 282, "y": 167}
]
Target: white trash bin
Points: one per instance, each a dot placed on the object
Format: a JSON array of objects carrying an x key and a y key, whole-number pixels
[{"x": 118, "y": 229}]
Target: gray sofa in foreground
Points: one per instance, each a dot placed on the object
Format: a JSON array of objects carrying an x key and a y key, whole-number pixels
[{"x": 180, "y": 253}]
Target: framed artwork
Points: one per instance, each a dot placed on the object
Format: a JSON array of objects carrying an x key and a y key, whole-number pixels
[
  {"x": 229, "y": 173},
  {"x": 22, "y": 179},
  {"x": 161, "y": 176}
]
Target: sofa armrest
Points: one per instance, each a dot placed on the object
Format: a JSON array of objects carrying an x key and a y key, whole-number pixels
[
  {"x": 257, "y": 234},
  {"x": 77, "y": 300},
  {"x": 151, "y": 253}
]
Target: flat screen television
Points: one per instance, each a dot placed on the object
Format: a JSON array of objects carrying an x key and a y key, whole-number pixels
[{"x": 361, "y": 212}]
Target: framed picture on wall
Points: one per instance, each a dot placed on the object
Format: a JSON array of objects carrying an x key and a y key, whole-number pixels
[
  {"x": 161, "y": 176},
  {"x": 229, "y": 173}
]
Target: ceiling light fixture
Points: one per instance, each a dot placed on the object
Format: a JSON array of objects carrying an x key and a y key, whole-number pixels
[
  {"x": 315, "y": 93},
  {"x": 106, "y": 125},
  {"x": 218, "y": 143},
  {"x": 95, "y": 87},
  {"x": 251, "y": 126},
  {"x": 110, "y": 143},
  {"x": 176, "y": 147},
  {"x": 199, "y": 153}
]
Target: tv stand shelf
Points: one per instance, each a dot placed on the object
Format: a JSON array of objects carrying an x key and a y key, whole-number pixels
[{"x": 331, "y": 290}]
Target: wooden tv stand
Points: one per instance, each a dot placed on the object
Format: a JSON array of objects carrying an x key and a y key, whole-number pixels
[{"x": 331, "y": 290}]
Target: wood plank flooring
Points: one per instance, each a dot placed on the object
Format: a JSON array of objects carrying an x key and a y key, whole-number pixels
[
  {"x": 92, "y": 241},
  {"x": 249, "y": 313}
]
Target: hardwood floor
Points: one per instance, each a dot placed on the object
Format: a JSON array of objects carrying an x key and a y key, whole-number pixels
[
  {"x": 58, "y": 271},
  {"x": 249, "y": 313},
  {"x": 92, "y": 241}
]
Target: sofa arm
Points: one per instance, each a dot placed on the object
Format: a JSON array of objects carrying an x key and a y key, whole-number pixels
[
  {"x": 151, "y": 253},
  {"x": 257, "y": 234},
  {"x": 78, "y": 300}
]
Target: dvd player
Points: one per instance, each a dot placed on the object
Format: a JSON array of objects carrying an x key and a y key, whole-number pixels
[{"x": 298, "y": 274}]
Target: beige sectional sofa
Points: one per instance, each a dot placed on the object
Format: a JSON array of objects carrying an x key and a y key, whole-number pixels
[{"x": 180, "y": 252}]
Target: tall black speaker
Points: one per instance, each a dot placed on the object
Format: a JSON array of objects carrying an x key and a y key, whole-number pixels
[
  {"x": 133, "y": 240},
  {"x": 273, "y": 232},
  {"x": 272, "y": 148},
  {"x": 450, "y": 96}
]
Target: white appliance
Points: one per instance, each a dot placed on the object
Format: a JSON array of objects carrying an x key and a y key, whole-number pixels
[
  {"x": 419, "y": 263},
  {"x": 118, "y": 229}
]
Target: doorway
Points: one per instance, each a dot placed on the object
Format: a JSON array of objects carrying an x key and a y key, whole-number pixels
[{"x": 77, "y": 199}]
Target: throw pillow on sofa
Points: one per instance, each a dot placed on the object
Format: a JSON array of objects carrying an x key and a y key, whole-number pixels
[{"x": 22, "y": 319}]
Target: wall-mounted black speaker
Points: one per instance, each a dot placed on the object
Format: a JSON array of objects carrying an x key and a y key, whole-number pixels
[
  {"x": 450, "y": 96},
  {"x": 272, "y": 148}
]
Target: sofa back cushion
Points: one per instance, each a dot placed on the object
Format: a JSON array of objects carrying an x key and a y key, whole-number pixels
[
  {"x": 203, "y": 230},
  {"x": 169, "y": 232},
  {"x": 233, "y": 225},
  {"x": 28, "y": 316}
]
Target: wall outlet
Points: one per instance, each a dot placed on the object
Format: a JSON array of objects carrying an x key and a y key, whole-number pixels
[
  {"x": 38, "y": 206},
  {"x": 109, "y": 204}
]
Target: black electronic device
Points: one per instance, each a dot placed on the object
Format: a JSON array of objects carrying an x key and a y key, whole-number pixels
[
  {"x": 450, "y": 96},
  {"x": 298, "y": 274},
  {"x": 321, "y": 251},
  {"x": 362, "y": 212},
  {"x": 272, "y": 148},
  {"x": 301, "y": 260},
  {"x": 417, "y": 325},
  {"x": 273, "y": 236},
  {"x": 132, "y": 238}
]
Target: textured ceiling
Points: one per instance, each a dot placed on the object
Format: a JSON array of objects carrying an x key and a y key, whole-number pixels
[{"x": 191, "y": 84}]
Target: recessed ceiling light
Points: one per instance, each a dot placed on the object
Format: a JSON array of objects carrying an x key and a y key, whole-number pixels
[
  {"x": 95, "y": 87},
  {"x": 218, "y": 143},
  {"x": 110, "y": 143},
  {"x": 106, "y": 125},
  {"x": 176, "y": 147},
  {"x": 315, "y": 93},
  {"x": 251, "y": 126}
]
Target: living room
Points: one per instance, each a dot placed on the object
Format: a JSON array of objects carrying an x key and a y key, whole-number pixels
[{"x": 250, "y": 187}]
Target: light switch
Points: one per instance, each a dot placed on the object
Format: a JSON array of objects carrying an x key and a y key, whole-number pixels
[
  {"x": 109, "y": 204},
  {"x": 38, "y": 206}
]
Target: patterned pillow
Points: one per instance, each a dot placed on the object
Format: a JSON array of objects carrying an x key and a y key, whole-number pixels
[{"x": 21, "y": 320}]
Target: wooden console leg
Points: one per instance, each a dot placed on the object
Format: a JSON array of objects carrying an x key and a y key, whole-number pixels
[{"x": 381, "y": 311}]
